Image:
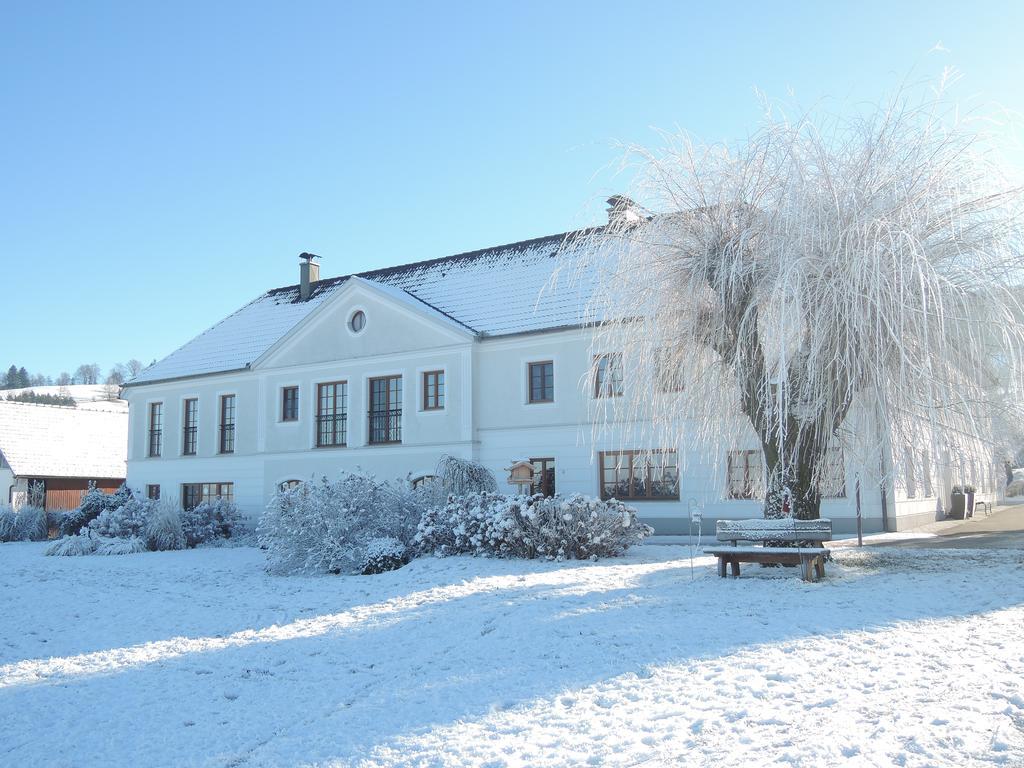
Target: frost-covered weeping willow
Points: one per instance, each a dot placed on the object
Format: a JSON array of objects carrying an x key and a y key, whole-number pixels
[{"x": 826, "y": 277}]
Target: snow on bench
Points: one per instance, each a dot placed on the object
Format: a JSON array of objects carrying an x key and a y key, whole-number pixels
[{"x": 807, "y": 535}]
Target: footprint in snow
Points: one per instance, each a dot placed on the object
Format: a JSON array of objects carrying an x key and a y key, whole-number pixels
[{"x": 230, "y": 695}]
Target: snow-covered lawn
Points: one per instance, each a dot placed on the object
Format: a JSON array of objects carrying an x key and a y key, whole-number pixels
[{"x": 199, "y": 658}]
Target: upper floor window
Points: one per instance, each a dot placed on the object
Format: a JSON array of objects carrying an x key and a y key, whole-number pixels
[
  {"x": 290, "y": 404},
  {"x": 331, "y": 414},
  {"x": 386, "y": 409},
  {"x": 288, "y": 485},
  {"x": 358, "y": 321},
  {"x": 744, "y": 474},
  {"x": 227, "y": 423},
  {"x": 153, "y": 492},
  {"x": 541, "y": 380},
  {"x": 433, "y": 390},
  {"x": 608, "y": 375},
  {"x": 156, "y": 428},
  {"x": 639, "y": 475},
  {"x": 190, "y": 427}
]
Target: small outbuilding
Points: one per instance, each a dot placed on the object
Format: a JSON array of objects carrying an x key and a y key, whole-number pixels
[{"x": 50, "y": 454}]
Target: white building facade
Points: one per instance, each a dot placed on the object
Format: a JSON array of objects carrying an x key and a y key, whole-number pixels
[{"x": 479, "y": 356}]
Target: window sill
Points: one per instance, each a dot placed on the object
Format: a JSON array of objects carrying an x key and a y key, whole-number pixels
[{"x": 331, "y": 445}]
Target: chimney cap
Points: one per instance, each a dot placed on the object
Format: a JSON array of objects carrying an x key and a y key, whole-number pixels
[{"x": 308, "y": 256}]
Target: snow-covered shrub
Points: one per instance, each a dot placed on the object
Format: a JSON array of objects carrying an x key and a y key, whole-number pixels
[
  {"x": 327, "y": 526},
  {"x": 124, "y": 522},
  {"x": 74, "y": 545},
  {"x": 94, "y": 502},
  {"x": 209, "y": 521},
  {"x": 163, "y": 529},
  {"x": 25, "y": 524},
  {"x": 385, "y": 554},
  {"x": 459, "y": 477},
  {"x": 90, "y": 543},
  {"x": 109, "y": 546},
  {"x": 574, "y": 527}
]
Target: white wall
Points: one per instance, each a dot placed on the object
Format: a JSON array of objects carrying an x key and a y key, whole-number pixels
[{"x": 486, "y": 417}]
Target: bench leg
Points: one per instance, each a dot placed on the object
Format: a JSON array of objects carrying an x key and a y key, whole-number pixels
[
  {"x": 735, "y": 568},
  {"x": 721, "y": 566},
  {"x": 819, "y": 567},
  {"x": 806, "y": 566}
]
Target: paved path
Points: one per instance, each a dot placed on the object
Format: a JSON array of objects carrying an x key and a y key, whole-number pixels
[{"x": 1003, "y": 529}]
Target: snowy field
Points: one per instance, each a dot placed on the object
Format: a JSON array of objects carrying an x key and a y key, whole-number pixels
[{"x": 198, "y": 658}]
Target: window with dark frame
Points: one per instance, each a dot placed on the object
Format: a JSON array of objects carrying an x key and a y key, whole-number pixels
[
  {"x": 194, "y": 494},
  {"x": 227, "y": 423},
  {"x": 331, "y": 414},
  {"x": 385, "y": 410},
  {"x": 639, "y": 475},
  {"x": 433, "y": 390},
  {"x": 290, "y": 404},
  {"x": 608, "y": 375},
  {"x": 288, "y": 485},
  {"x": 744, "y": 474},
  {"x": 833, "y": 478},
  {"x": 540, "y": 377},
  {"x": 153, "y": 492},
  {"x": 156, "y": 429},
  {"x": 190, "y": 427},
  {"x": 543, "y": 476}
]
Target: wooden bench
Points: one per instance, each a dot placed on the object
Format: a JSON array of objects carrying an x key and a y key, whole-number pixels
[{"x": 808, "y": 536}]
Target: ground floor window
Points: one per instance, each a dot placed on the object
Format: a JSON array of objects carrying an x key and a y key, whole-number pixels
[
  {"x": 419, "y": 482},
  {"x": 543, "y": 476},
  {"x": 287, "y": 485},
  {"x": 744, "y": 474},
  {"x": 153, "y": 492},
  {"x": 639, "y": 475},
  {"x": 194, "y": 494}
]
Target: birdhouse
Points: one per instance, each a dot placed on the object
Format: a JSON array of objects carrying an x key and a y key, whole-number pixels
[{"x": 520, "y": 476}]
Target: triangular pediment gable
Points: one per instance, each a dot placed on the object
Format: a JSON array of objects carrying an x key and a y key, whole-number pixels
[{"x": 395, "y": 321}]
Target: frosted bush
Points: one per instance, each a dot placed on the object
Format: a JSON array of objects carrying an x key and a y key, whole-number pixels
[
  {"x": 327, "y": 526},
  {"x": 94, "y": 503},
  {"x": 385, "y": 554},
  {"x": 558, "y": 528},
  {"x": 209, "y": 521},
  {"x": 90, "y": 543},
  {"x": 459, "y": 477},
  {"x": 25, "y": 524},
  {"x": 163, "y": 529},
  {"x": 109, "y": 546},
  {"x": 73, "y": 546},
  {"x": 123, "y": 522}
]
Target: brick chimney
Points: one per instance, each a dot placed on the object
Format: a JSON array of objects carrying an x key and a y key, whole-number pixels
[
  {"x": 622, "y": 210},
  {"x": 309, "y": 273}
]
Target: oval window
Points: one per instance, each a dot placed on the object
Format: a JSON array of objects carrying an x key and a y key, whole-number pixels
[{"x": 358, "y": 321}]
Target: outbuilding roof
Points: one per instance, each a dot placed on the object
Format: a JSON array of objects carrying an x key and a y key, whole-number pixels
[
  {"x": 490, "y": 292},
  {"x": 57, "y": 441}
]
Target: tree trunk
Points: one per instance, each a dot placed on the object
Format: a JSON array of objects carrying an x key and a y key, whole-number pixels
[{"x": 791, "y": 491}]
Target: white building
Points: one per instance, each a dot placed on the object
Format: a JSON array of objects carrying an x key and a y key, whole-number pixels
[{"x": 477, "y": 355}]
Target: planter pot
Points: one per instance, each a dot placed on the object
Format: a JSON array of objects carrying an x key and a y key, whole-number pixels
[{"x": 958, "y": 506}]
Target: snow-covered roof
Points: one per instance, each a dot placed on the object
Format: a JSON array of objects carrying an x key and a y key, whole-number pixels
[
  {"x": 491, "y": 292},
  {"x": 57, "y": 441}
]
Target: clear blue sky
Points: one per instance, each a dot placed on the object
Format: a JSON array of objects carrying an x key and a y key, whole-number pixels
[{"x": 163, "y": 163}]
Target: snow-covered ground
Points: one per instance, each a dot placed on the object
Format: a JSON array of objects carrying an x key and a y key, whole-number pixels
[{"x": 899, "y": 657}]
